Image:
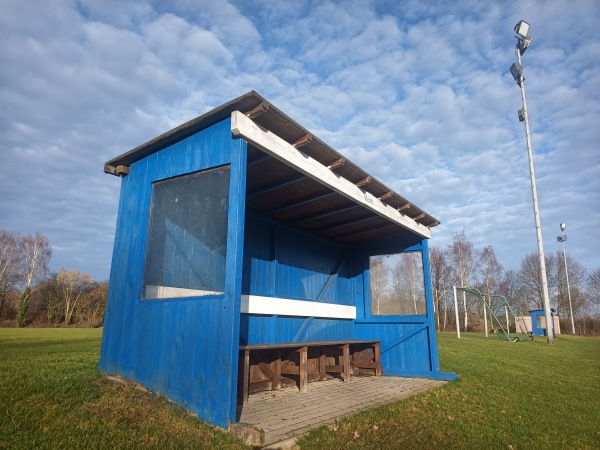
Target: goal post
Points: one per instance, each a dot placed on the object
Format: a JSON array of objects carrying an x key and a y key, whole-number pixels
[{"x": 499, "y": 311}]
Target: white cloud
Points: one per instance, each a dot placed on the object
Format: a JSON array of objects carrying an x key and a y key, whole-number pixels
[{"x": 416, "y": 93}]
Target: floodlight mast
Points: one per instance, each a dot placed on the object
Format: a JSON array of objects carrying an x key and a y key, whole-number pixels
[
  {"x": 562, "y": 238},
  {"x": 523, "y": 41}
]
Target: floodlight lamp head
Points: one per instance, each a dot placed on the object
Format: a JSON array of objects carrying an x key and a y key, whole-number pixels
[
  {"x": 563, "y": 226},
  {"x": 517, "y": 72},
  {"x": 522, "y": 29}
]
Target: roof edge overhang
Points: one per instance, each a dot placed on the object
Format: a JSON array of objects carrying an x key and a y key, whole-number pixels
[
  {"x": 253, "y": 106},
  {"x": 245, "y": 102},
  {"x": 285, "y": 152}
]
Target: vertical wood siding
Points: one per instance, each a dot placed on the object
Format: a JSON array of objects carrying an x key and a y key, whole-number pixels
[
  {"x": 185, "y": 349},
  {"x": 281, "y": 262}
]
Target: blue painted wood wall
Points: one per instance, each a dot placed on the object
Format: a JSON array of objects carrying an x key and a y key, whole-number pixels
[
  {"x": 282, "y": 262},
  {"x": 186, "y": 349}
]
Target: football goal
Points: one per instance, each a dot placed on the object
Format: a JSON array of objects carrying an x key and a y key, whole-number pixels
[{"x": 498, "y": 315}]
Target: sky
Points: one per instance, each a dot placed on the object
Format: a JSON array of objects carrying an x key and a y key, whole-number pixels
[{"x": 417, "y": 93}]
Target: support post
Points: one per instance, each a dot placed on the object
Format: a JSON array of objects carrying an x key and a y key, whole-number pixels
[
  {"x": 302, "y": 368},
  {"x": 507, "y": 320},
  {"x": 456, "y": 312},
  {"x": 485, "y": 318}
]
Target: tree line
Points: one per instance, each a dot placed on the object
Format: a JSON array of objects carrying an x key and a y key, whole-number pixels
[
  {"x": 30, "y": 294},
  {"x": 461, "y": 264}
]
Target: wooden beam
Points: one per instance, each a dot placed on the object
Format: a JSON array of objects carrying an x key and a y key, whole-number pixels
[
  {"x": 325, "y": 215},
  {"x": 386, "y": 195},
  {"x": 364, "y": 181},
  {"x": 256, "y": 304},
  {"x": 304, "y": 140},
  {"x": 299, "y": 204},
  {"x": 404, "y": 207},
  {"x": 337, "y": 164},
  {"x": 122, "y": 171},
  {"x": 420, "y": 216},
  {"x": 275, "y": 186},
  {"x": 266, "y": 370},
  {"x": 435, "y": 223},
  {"x": 258, "y": 111},
  {"x": 283, "y": 151}
]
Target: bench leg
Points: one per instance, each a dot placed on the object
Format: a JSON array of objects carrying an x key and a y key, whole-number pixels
[
  {"x": 246, "y": 381},
  {"x": 346, "y": 362},
  {"x": 322, "y": 371},
  {"x": 377, "y": 350},
  {"x": 303, "y": 369},
  {"x": 277, "y": 372}
]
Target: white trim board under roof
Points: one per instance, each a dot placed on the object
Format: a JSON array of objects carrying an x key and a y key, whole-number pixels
[{"x": 343, "y": 203}]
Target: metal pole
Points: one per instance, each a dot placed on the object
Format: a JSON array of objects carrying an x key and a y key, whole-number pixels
[
  {"x": 485, "y": 317},
  {"x": 507, "y": 320},
  {"x": 536, "y": 213},
  {"x": 456, "y": 312},
  {"x": 568, "y": 286}
]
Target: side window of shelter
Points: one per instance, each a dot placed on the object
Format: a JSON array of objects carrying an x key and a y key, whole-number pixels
[
  {"x": 187, "y": 236},
  {"x": 397, "y": 284}
]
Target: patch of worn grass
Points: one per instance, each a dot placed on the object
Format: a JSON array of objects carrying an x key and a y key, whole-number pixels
[
  {"x": 52, "y": 397},
  {"x": 525, "y": 395}
]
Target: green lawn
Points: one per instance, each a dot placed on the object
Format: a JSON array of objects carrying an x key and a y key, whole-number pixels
[
  {"x": 525, "y": 395},
  {"x": 52, "y": 397},
  {"x": 521, "y": 395}
]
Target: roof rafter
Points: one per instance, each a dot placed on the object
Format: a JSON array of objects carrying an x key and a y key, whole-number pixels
[{"x": 283, "y": 151}]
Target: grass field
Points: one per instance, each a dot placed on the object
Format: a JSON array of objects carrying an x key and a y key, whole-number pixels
[{"x": 526, "y": 395}]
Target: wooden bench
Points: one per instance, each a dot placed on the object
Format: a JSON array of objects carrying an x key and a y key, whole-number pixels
[{"x": 268, "y": 359}]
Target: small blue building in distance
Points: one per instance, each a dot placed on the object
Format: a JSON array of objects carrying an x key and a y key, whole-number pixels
[{"x": 240, "y": 227}]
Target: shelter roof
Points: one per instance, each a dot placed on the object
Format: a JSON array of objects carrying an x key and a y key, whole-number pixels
[{"x": 279, "y": 190}]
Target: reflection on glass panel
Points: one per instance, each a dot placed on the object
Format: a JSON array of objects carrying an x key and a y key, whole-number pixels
[
  {"x": 397, "y": 284},
  {"x": 187, "y": 239}
]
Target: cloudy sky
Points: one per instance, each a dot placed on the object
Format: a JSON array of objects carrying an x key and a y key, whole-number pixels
[{"x": 418, "y": 93}]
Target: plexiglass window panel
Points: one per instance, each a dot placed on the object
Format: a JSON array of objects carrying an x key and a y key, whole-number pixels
[
  {"x": 187, "y": 239},
  {"x": 397, "y": 284}
]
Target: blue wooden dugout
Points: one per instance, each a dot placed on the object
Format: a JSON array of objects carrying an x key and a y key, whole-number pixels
[{"x": 240, "y": 227}]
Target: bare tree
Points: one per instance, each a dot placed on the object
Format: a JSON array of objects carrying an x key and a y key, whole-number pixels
[
  {"x": 511, "y": 289},
  {"x": 10, "y": 265},
  {"x": 36, "y": 253},
  {"x": 90, "y": 309},
  {"x": 461, "y": 253},
  {"x": 441, "y": 283},
  {"x": 378, "y": 279},
  {"x": 530, "y": 278},
  {"x": 490, "y": 270},
  {"x": 73, "y": 285},
  {"x": 577, "y": 278},
  {"x": 407, "y": 284},
  {"x": 593, "y": 289}
]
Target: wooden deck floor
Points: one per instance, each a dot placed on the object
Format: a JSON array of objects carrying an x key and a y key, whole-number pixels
[{"x": 286, "y": 414}]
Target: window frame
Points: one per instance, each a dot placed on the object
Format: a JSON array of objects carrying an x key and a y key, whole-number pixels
[
  {"x": 145, "y": 283},
  {"x": 370, "y": 316}
]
